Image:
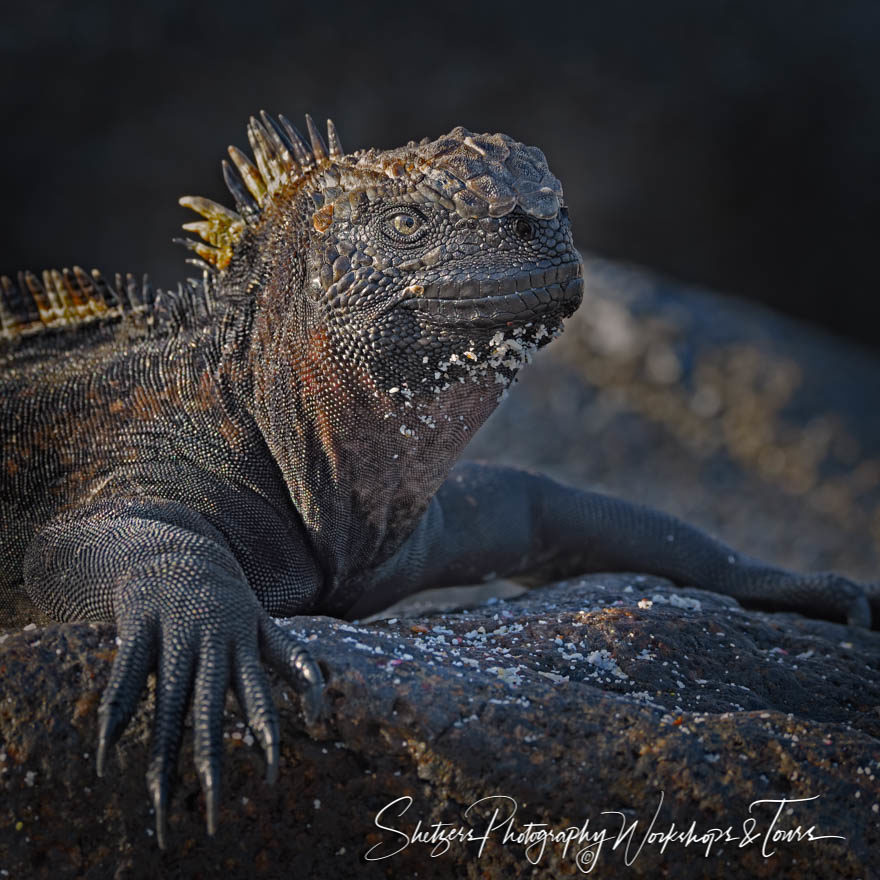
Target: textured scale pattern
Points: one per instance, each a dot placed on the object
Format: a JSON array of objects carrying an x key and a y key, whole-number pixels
[{"x": 276, "y": 438}]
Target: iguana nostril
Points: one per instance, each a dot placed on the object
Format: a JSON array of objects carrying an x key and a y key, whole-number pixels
[{"x": 524, "y": 229}]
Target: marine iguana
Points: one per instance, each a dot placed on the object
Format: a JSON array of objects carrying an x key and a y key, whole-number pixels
[{"x": 279, "y": 437}]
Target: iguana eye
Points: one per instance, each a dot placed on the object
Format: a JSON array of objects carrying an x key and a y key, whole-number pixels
[
  {"x": 405, "y": 225},
  {"x": 524, "y": 229}
]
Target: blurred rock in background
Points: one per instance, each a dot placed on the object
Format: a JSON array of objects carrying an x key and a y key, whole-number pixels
[{"x": 750, "y": 424}]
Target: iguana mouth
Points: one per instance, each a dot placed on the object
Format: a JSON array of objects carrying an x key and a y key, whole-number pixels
[{"x": 489, "y": 302}]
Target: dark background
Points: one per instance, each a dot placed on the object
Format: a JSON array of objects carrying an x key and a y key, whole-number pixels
[{"x": 733, "y": 144}]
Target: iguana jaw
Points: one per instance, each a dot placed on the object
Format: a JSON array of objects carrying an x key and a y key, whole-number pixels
[{"x": 501, "y": 302}]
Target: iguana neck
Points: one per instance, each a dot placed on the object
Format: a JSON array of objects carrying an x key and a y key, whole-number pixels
[{"x": 360, "y": 463}]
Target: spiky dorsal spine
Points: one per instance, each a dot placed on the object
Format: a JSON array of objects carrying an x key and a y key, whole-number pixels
[
  {"x": 283, "y": 158},
  {"x": 66, "y": 299}
]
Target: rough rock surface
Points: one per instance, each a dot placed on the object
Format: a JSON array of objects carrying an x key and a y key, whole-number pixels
[{"x": 596, "y": 694}]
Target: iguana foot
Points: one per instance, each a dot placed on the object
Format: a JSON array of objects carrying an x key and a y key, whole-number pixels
[{"x": 198, "y": 641}]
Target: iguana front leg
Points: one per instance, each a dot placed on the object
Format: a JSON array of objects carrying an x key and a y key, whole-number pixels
[
  {"x": 508, "y": 523},
  {"x": 183, "y": 606}
]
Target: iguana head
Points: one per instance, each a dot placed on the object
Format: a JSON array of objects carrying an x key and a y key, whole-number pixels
[
  {"x": 442, "y": 261},
  {"x": 387, "y": 299}
]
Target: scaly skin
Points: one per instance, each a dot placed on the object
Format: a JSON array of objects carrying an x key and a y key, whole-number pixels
[{"x": 277, "y": 438}]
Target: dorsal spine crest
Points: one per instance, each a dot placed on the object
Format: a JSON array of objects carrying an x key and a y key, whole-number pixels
[
  {"x": 282, "y": 158},
  {"x": 67, "y": 299}
]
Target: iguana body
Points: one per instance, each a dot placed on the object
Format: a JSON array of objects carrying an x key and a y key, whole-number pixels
[{"x": 277, "y": 438}]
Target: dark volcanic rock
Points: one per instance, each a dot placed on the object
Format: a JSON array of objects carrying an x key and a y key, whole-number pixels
[{"x": 604, "y": 693}]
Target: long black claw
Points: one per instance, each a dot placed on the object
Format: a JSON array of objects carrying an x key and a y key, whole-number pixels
[
  {"x": 271, "y": 752},
  {"x": 157, "y": 785},
  {"x": 267, "y": 734},
  {"x": 313, "y": 685},
  {"x": 110, "y": 728},
  {"x": 208, "y": 701},
  {"x": 110, "y": 731},
  {"x": 173, "y": 686},
  {"x": 255, "y": 698},
  {"x": 296, "y": 664},
  {"x": 127, "y": 680},
  {"x": 263, "y": 722},
  {"x": 212, "y": 806}
]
